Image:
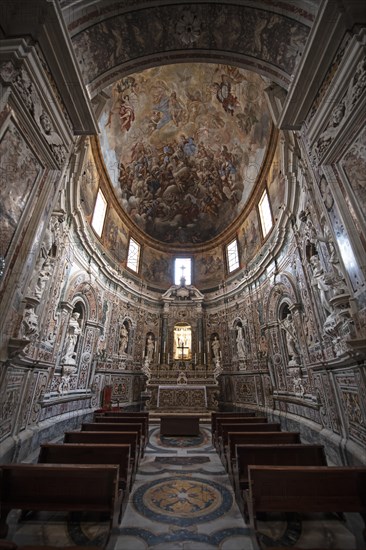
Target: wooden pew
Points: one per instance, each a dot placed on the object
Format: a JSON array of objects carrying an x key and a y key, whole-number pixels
[
  {"x": 288, "y": 454},
  {"x": 256, "y": 438},
  {"x": 126, "y": 420},
  {"x": 112, "y": 438},
  {"x": 225, "y": 428},
  {"x": 216, "y": 414},
  {"x": 92, "y": 453},
  {"x": 234, "y": 419},
  {"x": 116, "y": 427},
  {"x": 305, "y": 489},
  {"x": 54, "y": 487}
]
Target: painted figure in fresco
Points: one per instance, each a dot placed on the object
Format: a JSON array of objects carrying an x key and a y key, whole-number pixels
[
  {"x": 126, "y": 113},
  {"x": 150, "y": 348},
  {"x": 287, "y": 325},
  {"x": 123, "y": 343},
  {"x": 73, "y": 332},
  {"x": 240, "y": 342},
  {"x": 216, "y": 347},
  {"x": 223, "y": 93}
]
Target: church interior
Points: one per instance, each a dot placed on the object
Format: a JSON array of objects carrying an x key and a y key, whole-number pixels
[{"x": 183, "y": 237}]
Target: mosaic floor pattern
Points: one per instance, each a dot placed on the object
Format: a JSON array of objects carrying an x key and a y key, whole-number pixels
[{"x": 182, "y": 499}]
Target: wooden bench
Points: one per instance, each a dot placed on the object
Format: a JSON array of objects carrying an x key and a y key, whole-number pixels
[
  {"x": 126, "y": 420},
  {"x": 235, "y": 420},
  {"x": 116, "y": 427},
  {"x": 109, "y": 438},
  {"x": 215, "y": 415},
  {"x": 305, "y": 489},
  {"x": 224, "y": 429},
  {"x": 180, "y": 425},
  {"x": 289, "y": 454},
  {"x": 92, "y": 453},
  {"x": 54, "y": 487}
]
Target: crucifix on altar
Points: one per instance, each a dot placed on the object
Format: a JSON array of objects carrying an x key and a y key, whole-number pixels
[{"x": 182, "y": 341}]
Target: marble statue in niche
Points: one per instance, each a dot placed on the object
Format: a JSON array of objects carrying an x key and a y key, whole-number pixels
[
  {"x": 73, "y": 333},
  {"x": 322, "y": 281},
  {"x": 240, "y": 342},
  {"x": 123, "y": 339},
  {"x": 216, "y": 348},
  {"x": 150, "y": 347},
  {"x": 291, "y": 340}
]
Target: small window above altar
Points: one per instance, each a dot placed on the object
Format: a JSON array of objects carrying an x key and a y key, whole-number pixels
[{"x": 183, "y": 270}]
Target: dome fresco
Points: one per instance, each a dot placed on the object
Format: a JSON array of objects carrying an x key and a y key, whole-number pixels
[{"x": 183, "y": 145}]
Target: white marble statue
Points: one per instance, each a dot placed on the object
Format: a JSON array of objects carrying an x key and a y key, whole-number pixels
[
  {"x": 216, "y": 348},
  {"x": 73, "y": 332},
  {"x": 291, "y": 339},
  {"x": 123, "y": 343},
  {"x": 240, "y": 342},
  {"x": 150, "y": 345}
]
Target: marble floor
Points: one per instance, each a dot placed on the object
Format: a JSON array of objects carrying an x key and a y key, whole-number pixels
[{"x": 182, "y": 499}]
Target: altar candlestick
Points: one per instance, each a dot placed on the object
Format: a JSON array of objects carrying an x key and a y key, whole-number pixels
[
  {"x": 199, "y": 346},
  {"x": 164, "y": 346},
  {"x": 204, "y": 358}
]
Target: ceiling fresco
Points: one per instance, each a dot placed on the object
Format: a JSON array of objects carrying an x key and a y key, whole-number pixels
[{"x": 183, "y": 145}]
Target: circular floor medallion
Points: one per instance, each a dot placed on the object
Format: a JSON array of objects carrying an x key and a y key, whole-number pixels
[{"x": 182, "y": 500}]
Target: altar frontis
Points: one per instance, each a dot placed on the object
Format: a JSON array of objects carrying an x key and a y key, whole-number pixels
[{"x": 182, "y": 397}]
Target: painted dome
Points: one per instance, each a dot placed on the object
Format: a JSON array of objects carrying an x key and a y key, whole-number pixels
[{"x": 183, "y": 146}]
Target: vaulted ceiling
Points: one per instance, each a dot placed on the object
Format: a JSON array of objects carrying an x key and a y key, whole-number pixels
[{"x": 184, "y": 124}]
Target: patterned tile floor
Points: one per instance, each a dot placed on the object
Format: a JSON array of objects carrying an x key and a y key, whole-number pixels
[{"x": 182, "y": 500}]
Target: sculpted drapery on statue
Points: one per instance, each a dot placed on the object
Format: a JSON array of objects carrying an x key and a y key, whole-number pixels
[
  {"x": 124, "y": 336},
  {"x": 73, "y": 332}
]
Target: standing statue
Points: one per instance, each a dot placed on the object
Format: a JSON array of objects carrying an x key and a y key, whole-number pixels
[
  {"x": 73, "y": 332},
  {"x": 321, "y": 280},
  {"x": 216, "y": 348},
  {"x": 150, "y": 348},
  {"x": 293, "y": 351},
  {"x": 123, "y": 343},
  {"x": 240, "y": 342}
]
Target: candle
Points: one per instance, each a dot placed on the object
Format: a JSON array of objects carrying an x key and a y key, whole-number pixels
[
  {"x": 195, "y": 358},
  {"x": 199, "y": 346},
  {"x": 164, "y": 346},
  {"x": 159, "y": 358},
  {"x": 208, "y": 347},
  {"x": 168, "y": 357},
  {"x": 204, "y": 358}
]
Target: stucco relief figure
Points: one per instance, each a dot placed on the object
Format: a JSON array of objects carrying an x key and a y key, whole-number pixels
[
  {"x": 44, "y": 263},
  {"x": 240, "y": 342},
  {"x": 64, "y": 385},
  {"x": 291, "y": 339},
  {"x": 123, "y": 342},
  {"x": 216, "y": 347},
  {"x": 150, "y": 348},
  {"x": 73, "y": 332},
  {"x": 29, "y": 326}
]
